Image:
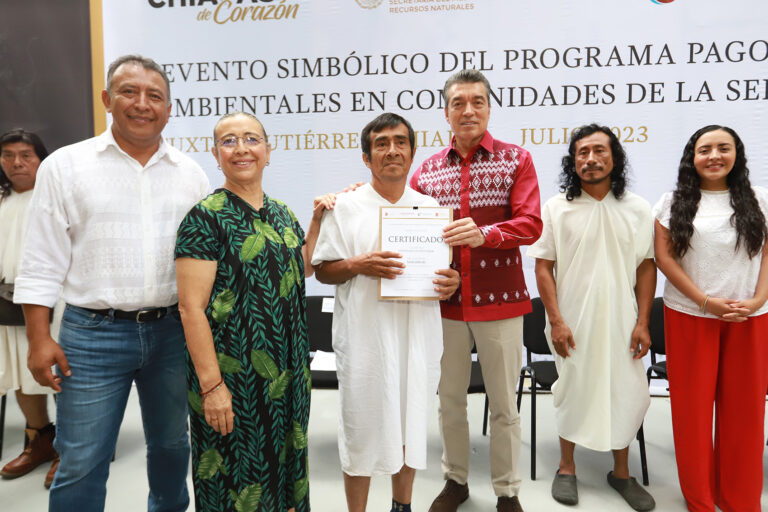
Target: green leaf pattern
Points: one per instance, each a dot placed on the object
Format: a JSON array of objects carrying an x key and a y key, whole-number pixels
[
  {"x": 228, "y": 364},
  {"x": 264, "y": 365},
  {"x": 195, "y": 401},
  {"x": 248, "y": 499},
  {"x": 291, "y": 240},
  {"x": 307, "y": 377},
  {"x": 299, "y": 437},
  {"x": 300, "y": 489},
  {"x": 210, "y": 463},
  {"x": 222, "y": 306},
  {"x": 277, "y": 386},
  {"x": 215, "y": 202},
  {"x": 252, "y": 246},
  {"x": 267, "y": 230},
  {"x": 260, "y": 338}
]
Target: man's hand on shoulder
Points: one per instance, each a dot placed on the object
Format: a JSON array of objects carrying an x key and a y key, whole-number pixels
[
  {"x": 322, "y": 203},
  {"x": 447, "y": 286},
  {"x": 463, "y": 232},
  {"x": 352, "y": 187},
  {"x": 377, "y": 264}
]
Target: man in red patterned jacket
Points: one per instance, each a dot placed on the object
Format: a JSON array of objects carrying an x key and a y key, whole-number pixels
[{"x": 492, "y": 187}]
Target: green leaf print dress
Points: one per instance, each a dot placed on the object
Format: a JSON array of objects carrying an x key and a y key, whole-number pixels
[{"x": 257, "y": 313}]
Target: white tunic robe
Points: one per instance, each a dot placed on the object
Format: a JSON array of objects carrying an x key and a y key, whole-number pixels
[
  {"x": 601, "y": 395},
  {"x": 387, "y": 352},
  {"x": 13, "y": 339}
]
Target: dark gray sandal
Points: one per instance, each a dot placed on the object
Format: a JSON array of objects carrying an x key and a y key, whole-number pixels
[
  {"x": 564, "y": 489},
  {"x": 632, "y": 492}
]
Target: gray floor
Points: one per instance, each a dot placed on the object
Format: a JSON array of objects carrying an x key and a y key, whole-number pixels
[{"x": 127, "y": 486}]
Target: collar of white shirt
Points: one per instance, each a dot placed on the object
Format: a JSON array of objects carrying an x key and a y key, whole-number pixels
[{"x": 107, "y": 140}]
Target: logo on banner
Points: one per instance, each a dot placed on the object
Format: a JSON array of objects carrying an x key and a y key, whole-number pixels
[
  {"x": 230, "y": 11},
  {"x": 369, "y": 4},
  {"x": 420, "y": 7}
]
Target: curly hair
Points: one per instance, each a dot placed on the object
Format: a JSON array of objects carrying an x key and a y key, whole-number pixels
[
  {"x": 747, "y": 218},
  {"x": 570, "y": 183},
  {"x": 19, "y": 135}
]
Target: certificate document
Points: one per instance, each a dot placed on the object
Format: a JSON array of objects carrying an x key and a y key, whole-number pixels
[{"x": 417, "y": 234}]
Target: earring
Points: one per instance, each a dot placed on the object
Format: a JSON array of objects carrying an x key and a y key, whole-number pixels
[{"x": 267, "y": 163}]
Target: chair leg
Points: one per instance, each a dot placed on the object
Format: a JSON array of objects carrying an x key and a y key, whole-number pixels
[
  {"x": 485, "y": 416},
  {"x": 533, "y": 427},
  {"x": 520, "y": 390},
  {"x": 643, "y": 459},
  {"x": 2, "y": 423}
]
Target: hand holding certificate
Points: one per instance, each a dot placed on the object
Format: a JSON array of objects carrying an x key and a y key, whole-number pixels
[{"x": 416, "y": 233}]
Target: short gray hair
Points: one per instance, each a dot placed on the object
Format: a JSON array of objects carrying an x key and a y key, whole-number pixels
[
  {"x": 138, "y": 60},
  {"x": 467, "y": 76}
]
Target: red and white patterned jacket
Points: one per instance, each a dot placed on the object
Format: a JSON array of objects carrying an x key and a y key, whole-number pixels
[{"x": 496, "y": 185}]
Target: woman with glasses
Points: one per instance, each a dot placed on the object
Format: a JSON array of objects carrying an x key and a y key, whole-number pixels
[
  {"x": 20, "y": 155},
  {"x": 241, "y": 259}
]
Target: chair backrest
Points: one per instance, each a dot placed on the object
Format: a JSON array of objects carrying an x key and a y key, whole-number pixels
[
  {"x": 319, "y": 324},
  {"x": 656, "y": 328},
  {"x": 533, "y": 329}
]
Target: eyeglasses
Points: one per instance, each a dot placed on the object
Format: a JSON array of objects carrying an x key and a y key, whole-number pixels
[{"x": 231, "y": 141}]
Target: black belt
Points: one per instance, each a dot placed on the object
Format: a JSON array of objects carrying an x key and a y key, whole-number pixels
[{"x": 139, "y": 316}]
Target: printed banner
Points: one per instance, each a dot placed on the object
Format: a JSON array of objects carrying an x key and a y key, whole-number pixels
[{"x": 315, "y": 72}]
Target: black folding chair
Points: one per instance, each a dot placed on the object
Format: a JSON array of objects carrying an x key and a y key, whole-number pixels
[
  {"x": 319, "y": 330},
  {"x": 542, "y": 373},
  {"x": 657, "y": 370},
  {"x": 2, "y": 422}
]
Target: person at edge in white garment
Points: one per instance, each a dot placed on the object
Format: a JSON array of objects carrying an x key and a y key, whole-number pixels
[
  {"x": 387, "y": 352},
  {"x": 596, "y": 278}
]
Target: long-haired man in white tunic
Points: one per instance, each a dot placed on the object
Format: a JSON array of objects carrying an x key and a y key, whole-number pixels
[
  {"x": 387, "y": 352},
  {"x": 596, "y": 278}
]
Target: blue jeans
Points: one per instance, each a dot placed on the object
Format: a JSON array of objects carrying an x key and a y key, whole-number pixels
[{"x": 106, "y": 355}]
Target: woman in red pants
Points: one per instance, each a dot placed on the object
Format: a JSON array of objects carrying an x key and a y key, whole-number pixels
[{"x": 710, "y": 244}]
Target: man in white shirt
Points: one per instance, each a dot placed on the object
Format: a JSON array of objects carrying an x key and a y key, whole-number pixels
[
  {"x": 596, "y": 278},
  {"x": 102, "y": 229},
  {"x": 387, "y": 352}
]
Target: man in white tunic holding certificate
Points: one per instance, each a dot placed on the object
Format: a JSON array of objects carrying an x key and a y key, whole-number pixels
[
  {"x": 596, "y": 278},
  {"x": 387, "y": 352}
]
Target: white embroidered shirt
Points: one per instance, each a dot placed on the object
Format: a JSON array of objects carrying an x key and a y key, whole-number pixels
[{"x": 104, "y": 228}]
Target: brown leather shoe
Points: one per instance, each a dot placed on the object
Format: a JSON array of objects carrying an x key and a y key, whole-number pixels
[
  {"x": 450, "y": 497},
  {"x": 51, "y": 473},
  {"x": 39, "y": 449},
  {"x": 508, "y": 504}
]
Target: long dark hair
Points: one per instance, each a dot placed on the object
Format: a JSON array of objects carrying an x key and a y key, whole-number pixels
[
  {"x": 19, "y": 135},
  {"x": 747, "y": 217},
  {"x": 570, "y": 183}
]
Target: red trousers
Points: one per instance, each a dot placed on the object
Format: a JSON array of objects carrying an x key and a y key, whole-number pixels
[{"x": 712, "y": 362}]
